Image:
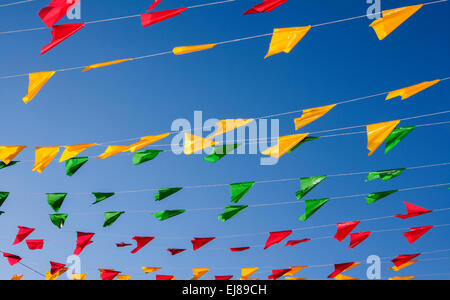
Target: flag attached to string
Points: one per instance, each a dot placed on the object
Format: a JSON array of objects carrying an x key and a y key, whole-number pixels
[
  {"x": 43, "y": 157},
  {"x": 167, "y": 214},
  {"x": 189, "y": 49},
  {"x": 74, "y": 164},
  {"x": 344, "y": 229},
  {"x": 397, "y": 135},
  {"x": 403, "y": 259},
  {"x": 141, "y": 242},
  {"x": 311, "y": 115},
  {"x": 146, "y": 141},
  {"x": 113, "y": 150},
  {"x": 148, "y": 270},
  {"x": 358, "y": 238},
  {"x": 415, "y": 233},
  {"x": 56, "y": 10},
  {"x": 220, "y": 152},
  {"x": 74, "y": 150},
  {"x": 3, "y": 197},
  {"x": 3, "y": 165},
  {"x": 193, "y": 143},
  {"x": 308, "y": 139},
  {"x": 197, "y": 243},
  {"x": 413, "y": 211},
  {"x": 341, "y": 268},
  {"x": 111, "y": 217},
  {"x": 141, "y": 157},
  {"x": 107, "y": 274},
  {"x": 55, "y": 200},
  {"x": 60, "y": 33},
  {"x": 231, "y": 211},
  {"x": 266, "y": 6},
  {"x": 78, "y": 276},
  {"x": 285, "y": 143},
  {"x": 165, "y": 193},
  {"x": 246, "y": 273},
  {"x": 385, "y": 175},
  {"x": 8, "y": 153},
  {"x": 106, "y": 64},
  {"x": 228, "y": 125},
  {"x": 99, "y": 197},
  {"x": 56, "y": 267},
  {"x": 403, "y": 266},
  {"x": 17, "y": 277},
  {"x": 83, "y": 240},
  {"x": 36, "y": 82},
  {"x": 58, "y": 220},
  {"x": 407, "y": 92},
  {"x": 307, "y": 184},
  {"x": 277, "y": 237},
  {"x": 174, "y": 252},
  {"x": 199, "y": 273},
  {"x": 11, "y": 258},
  {"x": 373, "y": 197},
  {"x": 296, "y": 242},
  {"x": 151, "y": 18},
  {"x": 240, "y": 249},
  {"x": 278, "y": 273},
  {"x": 311, "y": 206},
  {"x": 239, "y": 190},
  {"x": 23, "y": 233},
  {"x": 377, "y": 134},
  {"x": 285, "y": 39}
]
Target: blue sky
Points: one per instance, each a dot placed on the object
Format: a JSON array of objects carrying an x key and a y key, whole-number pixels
[{"x": 331, "y": 64}]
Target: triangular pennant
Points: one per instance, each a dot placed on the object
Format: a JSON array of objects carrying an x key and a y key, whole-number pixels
[
  {"x": 193, "y": 143},
  {"x": 238, "y": 190},
  {"x": 397, "y": 135},
  {"x": 111, "y": 217},
  {"x": 123, "y": 277},
  {"x": 278, "y": 273},
  {"x": 165, "y": 277},
  {"x": 189, "y": 49},
  {"x": 167, "y": 214},
  {"x": 307, "y": 184},
  {"x": 415, "y": 233},
  {"x": 23, "y": 233},
  {"x": 58, "y": 219},
  {"x": 106, "y": 64},
  {"x": 358, "y": 238},
  {"x": 266, "y": 6},
  {"x": 50, "y": 276},
  {"x": 151, "y": 18},
  {"x": 43, "y": 157},
  {"x": 199, "y": 273},
  {"x": 123, "y": 245},
  {"x": 83, "y": 240},
  {"x": 344, "y": 229},
  {"x": 148, "y": 270},
  {"x": 311, "y": 206},
  {"x": 296, "y": 242},
  {"x": 56, "y": 200},
  {"x": 285, "y": 144},
  {"x": 74, "y": 150},
  {"x": 3, "y": 197},
  {"x": 410, "y": 91},
  {"x": 240, "y": 249},
  {"x": 247, "y": 272},
  {"x": 403, "y": 259},
  {"x": 164, "y": 193},
  {"x": 56, "y": 267},
  {"x": 311, "y": 115},
  {"x": 12, "y": 259},
  {"x": 56, "y": 10},
  {"x": 413, "y": 211},
  {"x": 197, "y": 243},
  {"x": 402, "y": 278},
  {"x": 231, "y": 211},
  {"x": 108, "y": 274},
  {"x": 294, "y": 270},
  {"x": 344, "y": 277},
  {"x": 99, "y": 197},
  {"x": 154, "y": 4},
  {"x": 405, "y": 265},
  {"x": 385, "y": 175},
  {"x": 60, "y": 33},
  {"x": 228, "y": 125},
  {"x": 175, "y": 251},
  {"x": 377, "y": 133},
  {"x": 141, "y": 242},
  {"x": 78, "y": 276},
  {"x": 8, "y": 153},
  {"x": 373, "y": 197},
  {"x": 36, "y": 82},
  {"x": 341, "y": 268},
  {"x": 141, "y": 157},
  {"x": 308, "y": 139},
  {"x": 277, "y": 237},
  {"x": 74, "y": 164},
  {"x": 220, "y": 152},
  {"x": 285, "y": 39},
  {"x": 35, "y": 244},
  {"x": 17, "y": 277},
  {"x": 113, "y": 150},
  {"x": 147, "y": 140},
  {"x": 3, "y": 165}
]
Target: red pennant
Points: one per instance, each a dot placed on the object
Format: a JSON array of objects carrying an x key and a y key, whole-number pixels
[
  {"x": 148, "y": 19},
  {"x": 296, "y": 242},
  {"x": 415, "y": 233},
  {"x": 197, "y": 243},
  {"x": 266, "y": 6},
  {"x": 276, "y": 237},
  {"x": 83, "y": 240},
  {"x": 278, "y": 273},
  {"x": 35, "y": 244},
  {"x": 56, "y": 10},
  {"x": 24, "y": 232},
  {"x": 164, "y": 277},
  {"x": 413, "y": 211},
  {"x": 109, "y": 274},
  {"x": 339, "y": 268},
  {"x": 55, "y": 267},
  {"x": 141, "y": 242},
  {"x": 239, "y": 249},
  {"x": 12, "y": 259},
  {"x": 223, "y": 277},
  {"x": 403, "y": 259},
  {"x": 344, "y": 229},
  {"x": 60, "y": 33},
  {"x": 121, "y": 245},
  {"x": 358, "y": 238},
  {"x": 176, "y": 251},
  {"x": 155, "y": 4}
]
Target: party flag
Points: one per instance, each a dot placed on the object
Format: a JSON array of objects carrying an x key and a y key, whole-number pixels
[
  {"x": 413, "y": 211},
  {"x": 3, "y": 197},
  {"x": 151, "y": 18},
  {"x": 377, "y": 133},
  {"x": 60, "y": 33},
  {"x": 405, "y": 265},
  {"x": 385, "y": 174},
  {"x": 56, "y": 267},
  {"x": 373, "y": 197},
  {"x": 231, "y": 211},
  {"x": 199, "y": 273},
  {"x": 307, "y": 184},
  {"x": 141, "y": 242},
  {"x": 220, "y": 152},
  {"x": 17, "y": 277},
  {"x": 3, "y": 165},
  {"x": 35, "y": 244},
  {"x": 56, "y": 10},
  {"x": 397, "y": 135},
  {"x": 36, "y": 82},
  {"x": 111, "y": 217},
  {"x": 358, "y": 238},
  {"x": 402, "y": 278},
  {"x": 294, "y": 270},
  {"x": 123, "y": 277},
  {"x": 58, "y": 220},
  {"x": 223, "y": 278},
  {"x": 341, "y": 268},
  {"x": 266, "y": 6},
  {"x": 50, "y": 276},
  {"x": 344, "y": 277},
  {"x": 122, "y": 245},
  {"x": 106, "y": 64},
  {"x": 392, "y": 19},
  {"x": 148, "y": 270},
  {"x": 8, "y": 153},
  {"x": 167, "y": 214},
  {"x": 165, "y": 277},
  {"x": 108, "y": 274},
  {"x": 308, "y": 139},
  {"x": 175, "y": 251},
  {"x": 193, "y": 143},
  {"x": 189, "y": 49},
  {"x": 78, "y": 276},
  {"x": 74, "y": 164},
  {"x": 403, "y": 259},
  {"x": 141, "y": 157},
  {"x": 278, "y": 273},
  {"x": 296, "y": 242},
  {"x": 415, "y": 233},
  {"x": 285, "y": 39},
  {"x": 99, "y": 197},
  {"x": 238, "y": 190},
  {"x": 241, "y": 249},
  {"x": 74, "y": 150},
  {"x": 285, "y": 143},
  {"x": 228, "y": 125},
  {"x": 83, "y": 240},
  {"x": 164, "y": 193},
  {"x": 407, "y": 92},
  {"x": 292, "y": 278},
  {"x": 246, "y": 273},
  {"x": 311, "y": 115},
  {"x": 12, "y": 259},
  {"x": 197, "y": 243},
  {"x": 147, "y": 140},
  {"x": 113, "y": 150},
  {"x": 43, "y": 157},
  {"x": 56, "y": 200},
  {"x": 311, "y": 206},
  {"x": 1, "y": 213},
  {"x": 344, "y": 229},
  {"x": 277, "y": 237},
  {"x": 23, "y": 233}
]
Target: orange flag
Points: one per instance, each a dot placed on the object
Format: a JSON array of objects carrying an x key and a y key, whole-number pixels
[
  {"x": 78, "y": 276},
  {"x": 294, "y": 270},
  {"x": 123, "y": 277},
  {"x": 225, "y": 126},
  {"x": 247, "y": 272},
  {"x": 37, "y": 81},
  {"x": 148, "y": 270},
  {"x": 43, "y": 157},
  {"x": 8, "y": 153},
  {"x": 402, "y": 278},
  {"x": 17, "y": 277},
  {"x": 285, "y": 143},
  {"x": 105, "y": 64},
  {"x": 146, "y": 140},
  {"x": 407, "y": 92},
  {"x": 344, "y": 277},
  {"x": 113, "y": 150},
  {"x": 193, "y": 143},
  {"x": 285, "y": 39},
  {"x": 312, "y": 114},
  {"x": 190, "y": 49},
  {"x": 74, "y": 150},
  {"x": 405, "y": 265},
  {"x": 199, "y": 272},
  {"x": 377, "y": 133}
]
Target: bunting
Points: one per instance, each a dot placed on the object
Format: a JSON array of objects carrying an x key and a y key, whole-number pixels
[
  {"x": 141, "y": 157},
  {"x": 74, "y": 164},
  {"x": 294, "y": 270},
  {"x": 83, "y": 240},
  {"x": 165, "y": 193},
  {"x": 151, "y": 18},
  {"x": 122, "y": 245},
  {"x": 189, "y": 49},
  {"x": 277, "y": 237},
  {"x": 266, "y": 6},
  {"x": 23, "y": 233},
  {"x": 113, "y": 150},
  {"x": 239, "y": 190},
  {"x": 99, "y": 197},
  {"x": 344, "y": 277},
  {"x": 403, "y": 266},
  {"x": 8, "y": 153},
  {"x": 228, "y": 125},
  {"x": 11, "y": 258},
  {"x": 174, "y": 252},
  {"x": 397, "y": 135},
  {"x": 246, "y": 273},
  {"x": 403, "y": 259},
  {"x": 165, "y": 277},
  {"x": 78, "y": 276},
  {"x": 35, "y": 244},
  {"x": 167, "y": 214},
  {"x": 285, "y": 39},
  {"x": 74, "y": 150},
  {"x": 231, "y": 211},
  {"x": 358, "y": 238},
  {"x": 413, "y": 211},
  {"x": 311, "y": 115},
  {"x": 415, "y": 233},
  {"x": 407, "y": 92},
  {"x": 111, "y": 217},
  {"x": 3, "y": 165},
  {"x": 344, "y": 229},
  {"x": 241, "y": 249},
  {"x": 377, "y": 133},
  {"x": 146, "y": 141},
  {"x": 106, "y": 64},
  {"x": 307, "y": 184},
  {"x": 308, "y": 139},
  {"x": 197, "y": 243},
  {"x": 17, "y": 277},
  {"x": 60, "y": 33},
  {"x": 3, "y": 197},
  {"x": 199, "y": 273},
  {"x": 58, "y": 220},
  {"x": 285, "y": 144},
  {"x": 56, "y": 267},
  {"x": 106, "y": 274},
  {"x": 50, "y": 276},
  {"x": 193, "y": 143},
  {"x": 148, "y": 270},
  {"x": 373, "y": 197},
  {"x": 56, "y": 10},
  {"x": 141, "y": 242},
  {"x": 219, "y": 152},
  {"x": 43, "y": 157},
  {"x": 402, "y": 278},
  {"x": 296, "y": 242},
  {"x": 276, "y": 274},
  {"x": 341, "y": 268},
  {"x": 36, "y": 82},
  {"x": 311, "y": 206},
  {"x": 123, "y": 277},
  {"x": 385, "y": 175},
  {"x": 56, "y": 200}
]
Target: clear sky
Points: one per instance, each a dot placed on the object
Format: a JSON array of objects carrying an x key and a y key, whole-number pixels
[{"x": 331, "y": 64}]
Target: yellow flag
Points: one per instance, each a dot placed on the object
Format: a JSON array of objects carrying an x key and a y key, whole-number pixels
[
  {"x": 148, "y": 270},
  {"x": 105, "y": 64},
  {"x": 37, "y": 81},
  {"x": 247, "y": 272},
  {"x": 190, "y": 49},
  {"x": 312, "y": 114},
  {"x": 74, "y": 150},
  {"x": 147, "y": 140},
  {"x": 344, "y": 277},
  {"x": 49, "y": 276},
  {"x": 402, "y": 278},
  {"x": 377, "y": 133},
  {"x": 17, "y": 277},
  {"x": 193, "y": 143},
  {"x": 407, "y": 92},
  {"x": 225, "y": 126},
  {"x": 392, "y": 19},
  {"x": 294, "y": 270},
  {"x": 285, "y": 39},
  {"x": 123, "y": 277},
  {"x": 354, "y": 265},
  {"x": 78, "y": 276},
  {"x": 285, "y": 144},
  {"x": 43, "y": 157},
  {"x": 199, "y": 272},
  {"x": 113, "y": 150},
  {"x": 8, "y": 153},
  {"x": 293, "y": 278},
  {"x": 405, "y": 265}
]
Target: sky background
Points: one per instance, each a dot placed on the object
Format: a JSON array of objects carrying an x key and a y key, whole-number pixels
[{"x": 331, "y": 64}]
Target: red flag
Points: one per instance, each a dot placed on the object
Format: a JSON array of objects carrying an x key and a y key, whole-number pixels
[
  {"x": 176, "y": 251},
  {"x": 276, "y": 237},
  {"x": 344, "y": 229},
  {"x": 164, "y": 277},
  {"x": 239, "y": 249},
  {"x": 296, "y": 242},
  {"x": 339, "y": 268},
  {"x": 148, "y": 19},
  {"x": 121, "y": 245},
  {"x": 108, "y": 274},
  {"x": 415, "y": 233},
  {"x": 403, "y": 259},
  {"x": 83, "y": 240},
  {"x": 141, "y": 242},
  {"x": 413, "y": 211},
  {"x": 23, "y": 233},
  {"x": 155, "y": 4},
  {"x": 223, "y": 277},
  {"x": 55, "y": 267},
  {"x": 197, "y": 243},
  {"x": 12, "y": 259},
  {"x": 358, "y": 238},
  {"x": 278, "y": 273},
  {"x": 60, "y": 33},
  {"x": 35, "y": 244},
  {"x": 266, "y": 6},
  {"x": 56, "y": 10}
]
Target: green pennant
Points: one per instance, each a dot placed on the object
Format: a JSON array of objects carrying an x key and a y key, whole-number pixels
[
  {"x": 308, "y": 139},
  {"x": 307, "y": 184},
  {"x": 99, "y": 197},
  {"x": 238, "y": 190},
  {"x": 373, "y": 197},
  {"x": 58, "y": 220},
  {"x": 167, "y": 214},
  {"x": 111, "y": 217},
  {"x": 56, "y": 200},
  {"x": 385, "y": 174},
  {"x": 219, "y": 152},
  {"x": 3, "y": 197},
  {"x": 231, "y": 211},
  {"x": 1, "y": 213},
  {"x": 141, "y": 157},
  {"x": 164, "y": 193},
  {"x": 74, "y": 164},
  {"x": 311, "y": 206},
  {"x": 396, "y": 136},
  {"x": 3, "y": 165}
]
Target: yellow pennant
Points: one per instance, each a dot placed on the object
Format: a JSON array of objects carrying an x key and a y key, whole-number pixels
[
  {"x": 74, "y": 150},
  {"x": 8, "y": 153},
  {"x": 402, "y": 278},
  {"x": 147, "y": 140},
  {"x": 199, "y": 273},
  {"x": 49, "y": 276},
  {"x": 407, "y": 92},
  {"x": 43, "y": 157},
  {"x": 37, "y": 81},
  {"x": 405, "y": 265},
  {"x": 148, "y": 270},
  {"x": 105, "y": 64},
  {"x": 225, "y": 126},
  {"x": 293, "y": 278},
  {"x": 247, "y": 272},
  {"x": 123, "y": 277},
  {"x": 312, "y": 114},
  {"x": 17, "y": 277},
  {"x": 344, "y": 277},
  {"x": 78, "y": 276},
  {"x": 377, "y": 133},
  {"x": 285, "y": 144},
  {"x": 193, "y": 143},
  {"x": 113, "y": 150},
  {"x": 285, "y": 39},
  {"x": 294, "y": 270},
  {"x": 392, "y": 19},
  {"x": 190, "y": 49}
]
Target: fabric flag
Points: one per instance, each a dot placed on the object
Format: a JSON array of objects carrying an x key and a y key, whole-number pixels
[
  {"x": 344, "y": 229},
  {"x": 8, "y": 153},
  {"x": 56, "y": 200},
  {"x": 246, "y": 273},
  {"x": 78, "y": 276},
  {"x": 228, "y": 125},
  {"x": 197, "y": 243},
  {"x": 3, "y": 197},
  {"x": 113, "y": 150},
  {"x": 189, "y": 49},
  {"x": 407, "y": 92},
  {"x": 74, "y": 150},
  {"x": 55, "y": 267},
  {"x": 311, "y": 206},
  {"x": 231, "y": 211},
  {"x": 111, "y": 217},
  {"x": 43, "y": 157},
  {"x": 266, "y": 6},
  {"x": 122, "y": 245},
  {"x": 141, "y": 242},
  {"x": 36, "y": 82},
  {"x": 413, "y": 211},
  {"x": 199, "y": 273},
  {"x": 83, "y": 240},
  {"x": 223, "y": 278},
  {"x": 241, "y": 249},
  {"x": 108, "y": 274},
  {"x": 167, "y": 214},
  {"x": 278, "y": 273},
  {"x": 58, "y": 220},
  {"x": 164, "y": 193},
  {"x": 377, "y": 133},
  {"x": 74, "y": 164},
  {"x": 23, "y": 233},
  {"x": 154, "y": 4},
  {"x": 397, "y": 136},
  {"x": 165, "y": 277},
  {"x": 373, "y": 197},
  {"x": 99, "y": 197},
  {"x": 17, "y": 277},
  {"x": 341, "y": 268},
  {"x": 403, "y": 259},
  {"x": 35, "y": 244},
  {"x": 405, "y": 265},
  {"x": 384, "y": 175},
  {"x": 277, "y": 237},
  {"x": 60, "y": 33},
  {"x": 3, "y": 165},
  {"x": 292, "y": 278},
  {"x": 12, "y": 259},
  {"x": 106, "y": 64},
  {"x": 123, "y": 277},
  {"x": 358, "y": 238},
  {"x": 49, "y": 276},
  {"x": 148, "y": 270},
  {"x": 141, "y": 157},
  {"x": 307, "y": 184},
  {"x": 308, "y": 139},
  {"x": 193, "y": 143},
  {"x": 392, "y": 19},
  {"x": 402, "y": 278},
  {"x": 294, "y": 270},
  {"x": 56, "y": 10},
  {"x": 285, "y": 39},
  {"x": 311, "y": 115},
  {"x": 296, "y": 242},
  {"x": 238, "y": 190},
  {"x": 415, "y": 233},
  {"x": 344, "y": 277},
  {"x": 151, "y": 18},
  {"x": 175, "y": 251},
  {"x": 285, "y": 143},
  {"x": 146, "y": 141},
  {"x": 220, "y": 152},
  {"x": 1, "y": 213}
]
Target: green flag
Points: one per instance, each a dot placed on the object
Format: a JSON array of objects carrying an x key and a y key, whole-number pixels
[
  {"x": 311, "y": 206},
  {"x": 307, "y": 184},
  {"x": 58, "y": 220},
  {"x": 238, "y": 190},
  {"x": 3, "y": 165},
  {"x": 3, "y": 197},
  {"x": 111, "y": 217},
  {"x": 167, "y": 214},
  {"x": 373, "y": 197},
  {"x": 1, "y": 213},
  {"x": 141, "y": 157},
  {"x": 396, "y": 136},
  {"x": 231, "y": 211},
  {"x": 56, "y": 200},
  {"x": 385, "y": 174},
  {"x": 99, "y": 197},
  {"x": 308, "y": 139},
  {"x": 74, "y": 164},
  {"x": 164, "y": 193},
  {"x": 219, "y": 152}
]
